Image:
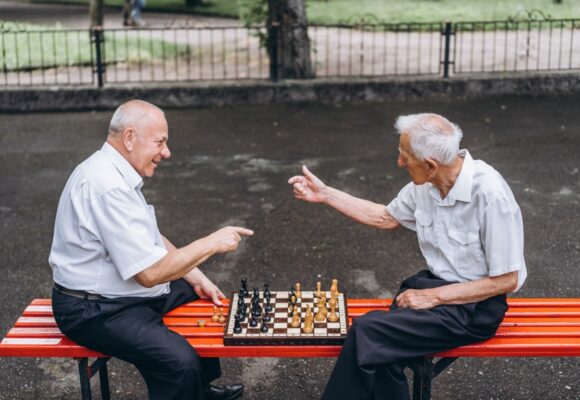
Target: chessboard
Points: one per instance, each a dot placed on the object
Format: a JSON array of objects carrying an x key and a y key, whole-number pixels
[{"x": 280, "y": 331}]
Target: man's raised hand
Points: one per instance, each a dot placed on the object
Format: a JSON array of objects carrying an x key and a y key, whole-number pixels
[
  {"x": 308, "y": 187},
  {"x": 228, "y": 238}
]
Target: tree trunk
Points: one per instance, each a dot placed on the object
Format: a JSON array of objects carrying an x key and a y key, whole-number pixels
[
  {"x": 96, "y": 13},
  {"x": 288, "y": 42}
]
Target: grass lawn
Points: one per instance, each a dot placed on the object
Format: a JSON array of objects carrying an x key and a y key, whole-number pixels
[
  {"x": 334, "y": 11},
  {"x": 28, "y": 47}
]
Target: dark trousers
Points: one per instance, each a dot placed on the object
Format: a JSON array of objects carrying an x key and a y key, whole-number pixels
[
  {"x": 379, "y": 344},
  {"x": 132, "y": 329}
]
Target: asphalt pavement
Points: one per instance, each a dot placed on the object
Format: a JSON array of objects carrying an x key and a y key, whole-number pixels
[{"x": 231, "y": 166}]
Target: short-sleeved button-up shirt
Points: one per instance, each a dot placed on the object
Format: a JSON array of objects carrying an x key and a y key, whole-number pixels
[
  {"x": 105, "y": 232},
  {"x": 476, "y": 231}
]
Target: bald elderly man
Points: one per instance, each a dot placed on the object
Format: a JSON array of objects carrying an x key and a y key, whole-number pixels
[
  {"x": 470, "y": 232},
  {"x": 115, "y": 275}
]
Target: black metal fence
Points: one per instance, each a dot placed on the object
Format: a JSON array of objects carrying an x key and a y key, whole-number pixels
[{"x": 59, "y": 57}]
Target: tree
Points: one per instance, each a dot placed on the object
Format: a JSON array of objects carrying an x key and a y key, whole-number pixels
[{"x": 288, "y": 42}]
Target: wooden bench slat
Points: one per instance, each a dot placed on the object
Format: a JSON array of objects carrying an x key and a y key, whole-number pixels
[{"x": 532, "y": 327}]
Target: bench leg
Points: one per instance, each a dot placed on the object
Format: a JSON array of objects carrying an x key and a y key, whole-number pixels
[
  {"x": 424, "y": 370},
  {"x": 86, "y": 372}
]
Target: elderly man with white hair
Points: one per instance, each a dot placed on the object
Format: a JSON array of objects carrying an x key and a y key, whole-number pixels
[{"x": 470, "y": 232}]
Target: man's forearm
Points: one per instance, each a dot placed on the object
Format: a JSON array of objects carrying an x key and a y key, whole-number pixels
[
  {"x": 481, "y": 289},
  {"x": 363, "y": 211}
]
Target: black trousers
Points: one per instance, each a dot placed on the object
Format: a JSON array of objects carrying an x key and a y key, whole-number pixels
[
  {"x": 132, "y": 329},
  {"x": 379, "y": 344}
]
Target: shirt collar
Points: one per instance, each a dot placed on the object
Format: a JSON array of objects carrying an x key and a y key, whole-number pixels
[
  {"x": 461, "y": 189},
  {"x": 123, "y": 166}
]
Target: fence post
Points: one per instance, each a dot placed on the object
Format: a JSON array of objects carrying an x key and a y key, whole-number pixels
[
  {"x": 98, "y": 40},
  {"x": 447, "y": 32},
  {"x": 274, "y": 42}
]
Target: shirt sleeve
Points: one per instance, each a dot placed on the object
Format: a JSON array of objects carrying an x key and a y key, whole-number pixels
[
  {"x": 128, "y": 232},
  {"x": 402, "y": 207},
  {"x": 502, "y": 235}
]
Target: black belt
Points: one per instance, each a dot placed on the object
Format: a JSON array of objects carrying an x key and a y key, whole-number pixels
[{"x": 81, "y": 294}]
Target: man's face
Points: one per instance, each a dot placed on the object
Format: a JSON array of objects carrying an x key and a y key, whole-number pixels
[
  {"x": 418, "y": 170},
  {"x": 150, "y": 145}
]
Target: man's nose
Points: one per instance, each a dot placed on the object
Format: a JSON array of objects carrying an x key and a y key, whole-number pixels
[{"x": 166, "y": 153}]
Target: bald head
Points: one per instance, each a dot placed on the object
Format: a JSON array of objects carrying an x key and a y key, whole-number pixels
[
  {"x": 133, "y": 114},
  {"x": 431, "y": 136}
]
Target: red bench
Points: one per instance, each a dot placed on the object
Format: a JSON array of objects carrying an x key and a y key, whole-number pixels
[{"x": 531, "y": 328}]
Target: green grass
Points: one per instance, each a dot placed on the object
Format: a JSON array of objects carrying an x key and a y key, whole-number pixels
[
  {"x": 27, "y": 47},
  {"x": 334, "y": 11}
]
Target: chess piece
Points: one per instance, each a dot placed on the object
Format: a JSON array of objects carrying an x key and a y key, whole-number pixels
[
  {"x": 308, "y": 321},
  {"x": 256, "y": 309},
  {"x": 333, "y": 316},
  {"x": 320, "y": 315},
  {"x": 253, "y": 321},
  {"x": 322, "y": 306},
  {"x": 334, "y": 286},
  {"x": 298, "y": 290},
  {"x": 318, "y": 292},
  {"x": 256, "y": 294},
  {"x": 266, "y": 290},
  {"x": 268, "y": 306},
  {"x": 333, "y": 301},
  {"x": 295, "y": 320},
  {"x": 222, "y": 318},
  {"x": 264, "y": 327},
  {"x": 214, "y": 317},
  {"x": 201, "y": 323},
  {"x": 237, "y": 325},
  {"x": 266, "y": 317},
  {"x": 244, "y": 286}
]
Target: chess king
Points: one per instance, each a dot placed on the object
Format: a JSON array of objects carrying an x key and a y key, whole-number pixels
[{"x": 470, "y": 232}]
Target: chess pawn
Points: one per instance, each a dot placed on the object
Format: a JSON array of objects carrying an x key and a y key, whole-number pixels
[
  {"x": 318, "y": 290},
  {"x": 222, "y": 318},
  {"x": 320, "y": 316},
  {"x": 295, "y": 320},
  {"x": 298, "y": 291},
  {"x": 333, "y": 316},
  {"x": 322, "y": 306},
  {"x": 214, "y": 317},
  {"x": 237, "y": 325},
  {"x": 332, "y": 302},
  {"x": 308, "y": 321}
]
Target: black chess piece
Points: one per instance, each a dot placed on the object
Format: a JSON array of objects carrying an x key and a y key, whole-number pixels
[
  {"x": 256, "y": 308},
  {"x": 266, "y": 290},
  {"x": 237, "y": 325},
  {"x": 245, "y": 286},
  {"x": 253, "y": 321},
  {"x": 256, "y": 293},
  {"x": 264, "y": 327},
  {"x": 242, "y": 313},
  {"x": 268, "y": 306},
  {"x": 266, "y": 317}
]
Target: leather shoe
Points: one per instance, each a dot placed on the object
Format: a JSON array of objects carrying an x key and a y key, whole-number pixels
[{"x": 223, "y": 392}]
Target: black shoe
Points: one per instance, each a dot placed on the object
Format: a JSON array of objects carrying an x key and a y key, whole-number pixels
[{"x": 223, "y": 392}]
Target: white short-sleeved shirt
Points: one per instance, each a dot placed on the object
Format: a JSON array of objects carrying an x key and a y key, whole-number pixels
[
  {"x": 105, "y": 232},
  {"x": 475, "y": 232}
]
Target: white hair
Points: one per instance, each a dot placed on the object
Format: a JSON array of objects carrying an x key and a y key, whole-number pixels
[
  {"x": 431, "y": 136},
  {"x": 130, "y": 113}
]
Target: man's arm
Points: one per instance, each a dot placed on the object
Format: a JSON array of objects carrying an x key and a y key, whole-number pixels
[
  {"x": 309, "y": 188},
  {"x": 458, "y": 293},
  {"x": 178, "y": 262},
  {"x": 202, "y": 285}
]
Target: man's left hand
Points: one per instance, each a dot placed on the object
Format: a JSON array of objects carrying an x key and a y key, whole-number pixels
[
  {"x": 418, "y": 299},
  {"x": 207, "y": 290}
]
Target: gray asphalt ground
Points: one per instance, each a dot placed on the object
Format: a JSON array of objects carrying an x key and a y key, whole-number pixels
[{"x": 231, "y": 165}]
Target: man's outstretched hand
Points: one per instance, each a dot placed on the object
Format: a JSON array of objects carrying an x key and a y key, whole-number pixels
[
  {"x": 227, "y": 239},
  {"x": 308, "y": 187}
]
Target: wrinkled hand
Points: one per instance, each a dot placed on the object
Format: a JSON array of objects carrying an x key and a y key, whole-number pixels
[
  {"x": 228, "y": 238},
  {"x": 418, "y": 299},
  {"x": 308, "y": 187},
  {"x": 206, "y": 289}
]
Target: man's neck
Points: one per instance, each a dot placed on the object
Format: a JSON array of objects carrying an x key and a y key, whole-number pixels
[{"x": 446, "y": 176}]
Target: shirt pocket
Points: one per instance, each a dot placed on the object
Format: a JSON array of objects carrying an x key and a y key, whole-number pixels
[
  {"x": 467, "y": 248},
  {"x": 424, "y": 226}
]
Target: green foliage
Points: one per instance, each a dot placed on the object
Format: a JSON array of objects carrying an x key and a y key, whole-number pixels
[
  {"x": 253, "y": 12},
  {"x": 26, "y": 47}
]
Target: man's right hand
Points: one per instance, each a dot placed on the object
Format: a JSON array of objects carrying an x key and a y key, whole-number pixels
[
  {"x": 227, "y": 239},
  {"x": 308, "y": 187}
]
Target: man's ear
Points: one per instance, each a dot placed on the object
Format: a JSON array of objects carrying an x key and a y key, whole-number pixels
[
  {"x": 432, "y": 167},
  {"x": 129, "y": 137}
]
